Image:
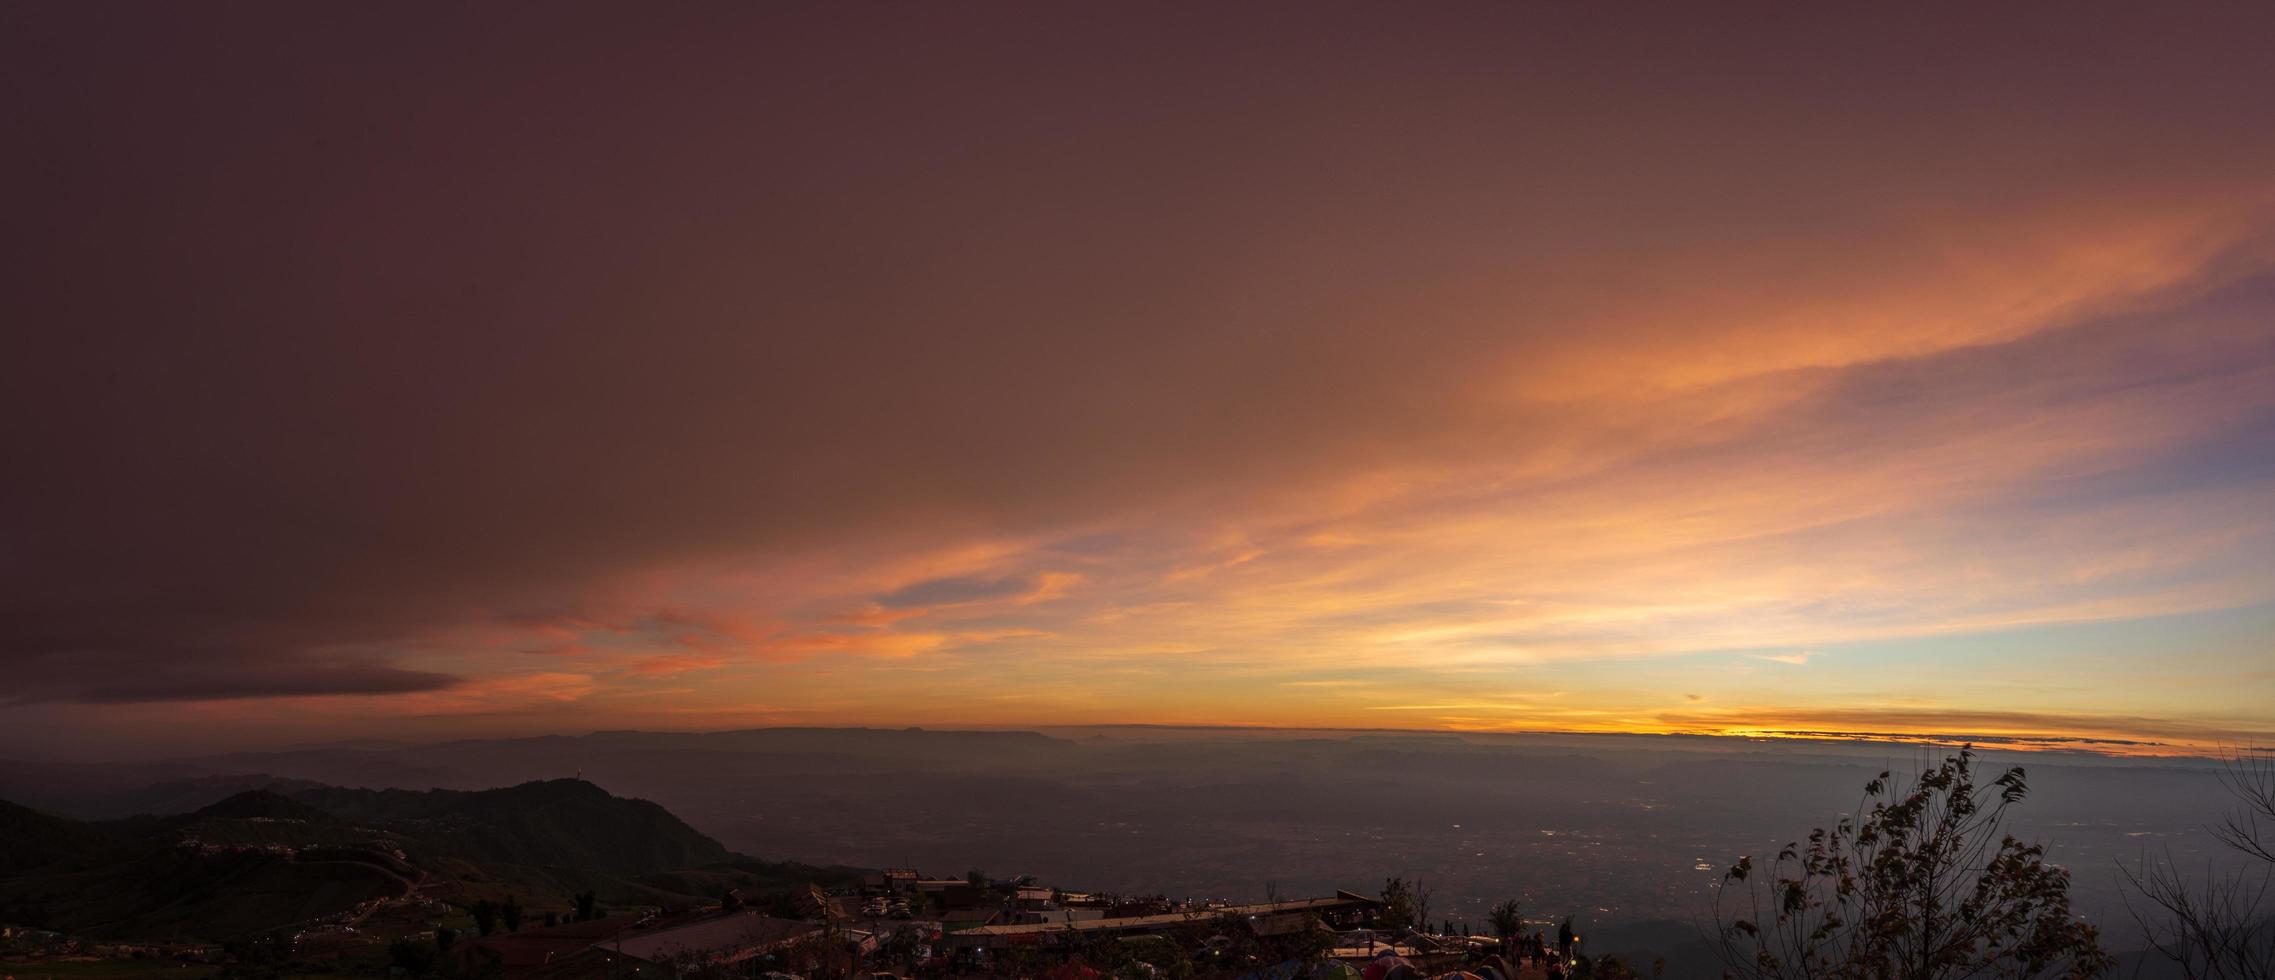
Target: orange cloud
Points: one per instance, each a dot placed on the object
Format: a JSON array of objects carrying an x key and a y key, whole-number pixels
[{"x": 1552, "y": 406}]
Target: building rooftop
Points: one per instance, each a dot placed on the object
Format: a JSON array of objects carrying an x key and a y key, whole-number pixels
[
  {"x": 1342, "y": 900},
  {"x": 728, "y": 937}
]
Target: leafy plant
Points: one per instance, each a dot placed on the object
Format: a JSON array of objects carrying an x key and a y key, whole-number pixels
[{"x": 1924, "y": 885}]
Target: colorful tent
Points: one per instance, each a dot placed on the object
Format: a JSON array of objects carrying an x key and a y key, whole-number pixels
[{"x": 1391, "y": 967}]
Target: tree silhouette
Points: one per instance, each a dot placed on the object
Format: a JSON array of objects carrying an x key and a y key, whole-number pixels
[
  {"x": 2219, "y": 928},
  {"x": 1925, "y": 886},
  {"x": 1507, "y": 919},
  {"x": 485, "y": 917},
  {"x": 1397, "y": 909}
]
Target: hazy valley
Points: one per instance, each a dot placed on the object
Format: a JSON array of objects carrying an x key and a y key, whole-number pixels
[{"x": 1627, "y": 833}]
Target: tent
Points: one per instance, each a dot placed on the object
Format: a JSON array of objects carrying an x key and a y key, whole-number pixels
[{"x": 1391, "y": 967}]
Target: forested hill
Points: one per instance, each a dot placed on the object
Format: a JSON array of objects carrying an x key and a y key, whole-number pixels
[
  {"x": 294, "y": 855},
  {"x": 558, "y": 822},
  {"x": 564, "y": 823},
  {"x": 29, "y": 838}
]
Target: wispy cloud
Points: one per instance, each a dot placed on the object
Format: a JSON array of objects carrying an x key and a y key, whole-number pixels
[
  {"x": 1796, "y": 659},
  {"x": 1076, "y": 422}
]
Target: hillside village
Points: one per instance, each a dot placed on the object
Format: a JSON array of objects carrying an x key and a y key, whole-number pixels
[
  {"x": 893, "y": 923},
  {"x": 898, "y": 923},
  {"x": 326, "y": 882}
]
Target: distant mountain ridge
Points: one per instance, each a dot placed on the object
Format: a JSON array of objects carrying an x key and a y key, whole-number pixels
[{"x": 647, "y": 764}]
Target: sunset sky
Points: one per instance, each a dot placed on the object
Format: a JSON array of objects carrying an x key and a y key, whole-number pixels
[{"x": 408, "y": 371}]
